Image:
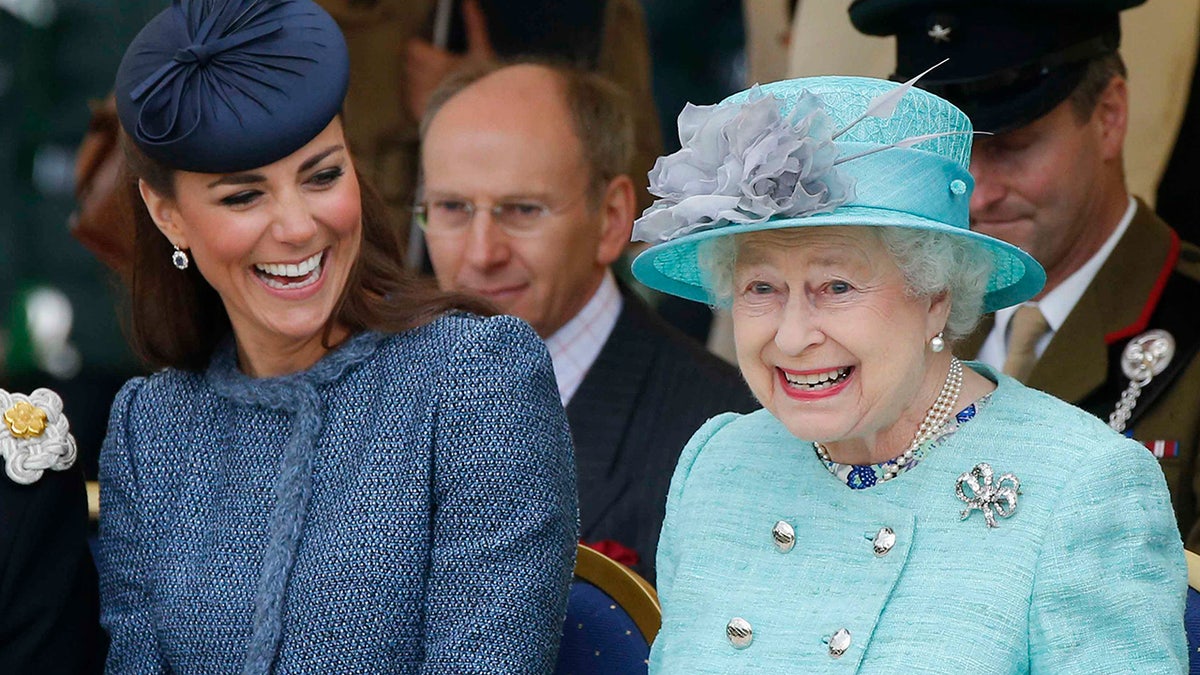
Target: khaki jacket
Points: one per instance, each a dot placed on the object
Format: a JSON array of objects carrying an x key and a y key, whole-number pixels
[{"x": 1126, "y": 298}]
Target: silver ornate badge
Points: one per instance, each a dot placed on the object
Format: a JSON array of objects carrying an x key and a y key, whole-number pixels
[
  {"x": 939, "y": 33},
  {"x": 998, "y": 498},
  {"x": 1144, "y": 357},
  {"x": 34, "y": 435}
]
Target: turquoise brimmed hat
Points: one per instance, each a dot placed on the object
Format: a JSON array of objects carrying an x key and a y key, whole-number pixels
[{"x": 814, "y": 152}]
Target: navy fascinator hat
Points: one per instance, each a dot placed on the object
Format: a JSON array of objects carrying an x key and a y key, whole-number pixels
[{"x": 219, "y": 86}]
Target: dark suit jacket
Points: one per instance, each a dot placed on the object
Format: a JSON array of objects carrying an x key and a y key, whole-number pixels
[
  {"x": 648, "y": 391},
  {"x": 1149, "y": 281},
  {"x": 49, "y": 606}
]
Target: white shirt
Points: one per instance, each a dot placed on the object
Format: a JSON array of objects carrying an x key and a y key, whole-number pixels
[
  {"x": 575, "y": 346},
  {"x": 1057, "y": 304}
]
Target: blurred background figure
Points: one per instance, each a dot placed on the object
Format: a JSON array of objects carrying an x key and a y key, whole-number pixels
[
  {"x": 1176, "y": 198},
  {"x": 58, "y": 327},
  {"x": 98, "y": 221},
  {"x": 527, "y": 204},
  {"x": 699, "y": 56},
  {"x": 691, "y": 70},
  {"x": 401, "y": 50}
]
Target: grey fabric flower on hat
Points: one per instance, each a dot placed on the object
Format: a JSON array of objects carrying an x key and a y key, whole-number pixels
[
  {"x": 745, "y": 163},
  {"x": 34, "y": 435}
]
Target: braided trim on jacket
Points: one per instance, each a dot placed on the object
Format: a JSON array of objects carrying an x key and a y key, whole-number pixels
[{"x": 297, "y": 395}]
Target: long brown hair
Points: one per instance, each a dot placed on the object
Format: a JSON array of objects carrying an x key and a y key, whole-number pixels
[{"x": 177, "y": 319}]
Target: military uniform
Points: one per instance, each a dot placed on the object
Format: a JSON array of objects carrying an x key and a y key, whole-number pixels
[
  {"x": 1150, "y": 281},
  {"x": 49, "y": 599}
]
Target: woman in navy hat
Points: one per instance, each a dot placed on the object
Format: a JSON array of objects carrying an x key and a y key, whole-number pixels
[
  {"x": 339, "y": 469},
  {"x": 891, "y": 509}
]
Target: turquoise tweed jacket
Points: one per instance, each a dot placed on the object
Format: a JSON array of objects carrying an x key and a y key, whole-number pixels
[
  {"x": 1086, "y": 576},
  {"x": 406, "y": 505}
]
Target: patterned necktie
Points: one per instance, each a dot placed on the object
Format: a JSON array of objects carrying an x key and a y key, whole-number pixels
[{"x": 1028, "y": 325}]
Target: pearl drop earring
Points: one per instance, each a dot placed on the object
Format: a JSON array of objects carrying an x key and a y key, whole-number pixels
[{"x": 937, "y": 343}]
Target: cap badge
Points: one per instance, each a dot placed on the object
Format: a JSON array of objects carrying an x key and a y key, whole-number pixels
[{"x": 939, "y": 33}]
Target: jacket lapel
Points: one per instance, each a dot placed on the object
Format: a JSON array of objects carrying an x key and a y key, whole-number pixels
[
  {"x": 602, "y": 409},
  {"x": 1076, "y": 361}
]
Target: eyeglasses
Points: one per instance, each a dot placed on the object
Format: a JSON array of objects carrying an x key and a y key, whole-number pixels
[{"x": 453, "y": 217}]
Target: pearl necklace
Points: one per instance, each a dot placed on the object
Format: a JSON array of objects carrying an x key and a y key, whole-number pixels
[{"x": 935, "y": 419}]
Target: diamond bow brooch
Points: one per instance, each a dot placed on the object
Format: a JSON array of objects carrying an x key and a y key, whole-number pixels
[{"x": 993, "y": 498}]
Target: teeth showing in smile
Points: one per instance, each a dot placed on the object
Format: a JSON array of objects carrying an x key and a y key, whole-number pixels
[
  {"x": 817, "y": 381},
  {"x": 291, "y": 276}
]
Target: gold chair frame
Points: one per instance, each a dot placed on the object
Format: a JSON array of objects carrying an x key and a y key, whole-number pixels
[
  {"x": 1193, "y": 564},
  {"x": 633, "y": 593},
  {"x": 93, "y": 500}
]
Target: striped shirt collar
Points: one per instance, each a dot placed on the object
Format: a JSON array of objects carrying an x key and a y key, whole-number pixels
[{"x": 575, "y": 346}]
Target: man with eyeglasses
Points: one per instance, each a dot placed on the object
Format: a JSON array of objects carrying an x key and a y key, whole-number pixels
[{"x": 526, "y": 203}]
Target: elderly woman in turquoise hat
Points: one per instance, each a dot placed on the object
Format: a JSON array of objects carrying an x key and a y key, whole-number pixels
[
  {"x": 338, "y": 468},
  {"x": 891, "y": 509}
]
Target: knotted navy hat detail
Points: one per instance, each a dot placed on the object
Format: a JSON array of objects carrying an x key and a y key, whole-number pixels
[{"x": 218, "y": 86}]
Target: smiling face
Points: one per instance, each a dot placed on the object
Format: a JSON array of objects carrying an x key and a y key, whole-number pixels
[
  {"x": 1054, "y": 187},
  {"x": 508, "y": 141},
  {"x": 277, "y": 243},
  {"x": 828, "y": 338}
]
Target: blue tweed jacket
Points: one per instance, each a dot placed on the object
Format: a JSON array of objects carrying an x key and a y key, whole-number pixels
[
  {"x": 1086, "y": 576},
  {"x": 407, "y": 505}
]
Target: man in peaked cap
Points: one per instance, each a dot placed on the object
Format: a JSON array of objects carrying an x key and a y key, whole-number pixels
[{"x": 1115, "y": 330}]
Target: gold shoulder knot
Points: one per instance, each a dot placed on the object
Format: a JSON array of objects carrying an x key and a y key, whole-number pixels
[{"x": 35, "y": 436}]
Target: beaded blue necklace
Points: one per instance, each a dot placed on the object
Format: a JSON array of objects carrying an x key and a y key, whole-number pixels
[{"x": 863, "y": 476}]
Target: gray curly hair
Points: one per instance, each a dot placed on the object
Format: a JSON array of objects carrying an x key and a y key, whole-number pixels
[{"x": 932, "y": 263}]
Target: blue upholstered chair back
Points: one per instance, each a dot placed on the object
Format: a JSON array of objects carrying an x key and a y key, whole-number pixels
[
  {"x": 612, "y": 617},
  {"x": 599, "y": 637},
  {"x": 1191, "y": 621},
  {"x": 1191, "y": 614}
]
